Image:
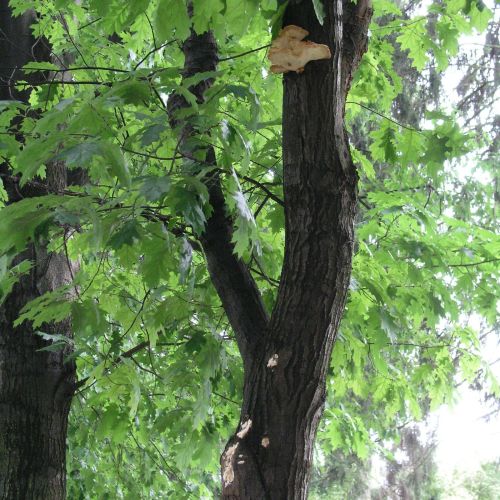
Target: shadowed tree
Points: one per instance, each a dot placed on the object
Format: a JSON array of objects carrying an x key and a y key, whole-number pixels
[{"x": 35, "y": 384}]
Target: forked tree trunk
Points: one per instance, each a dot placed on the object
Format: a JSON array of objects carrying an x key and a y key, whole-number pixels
[
  {"x": 35, "y": 386},
  {"x": 285, "y": 387},
  {"x": 286, "y": 357}
]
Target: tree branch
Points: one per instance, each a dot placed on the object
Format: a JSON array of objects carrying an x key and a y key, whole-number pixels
[
  {"x": 231, "y": 277},
  {"x": 261, "y": 186},
  {"x": 244, "y": 53},
  {"x": 125, "y": 355}
]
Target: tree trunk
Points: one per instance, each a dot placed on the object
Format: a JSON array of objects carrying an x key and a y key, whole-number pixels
[
  {"x": 35, "y": 386},
  {"x": 270, "y": 456},
  {"x": 35, "y": 391},
  {"x": 286, "y": 357}
]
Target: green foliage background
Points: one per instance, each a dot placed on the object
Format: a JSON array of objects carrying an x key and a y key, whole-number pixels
[{"x": 152, "y": 421}]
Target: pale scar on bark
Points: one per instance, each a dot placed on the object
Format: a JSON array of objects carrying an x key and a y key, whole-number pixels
[
  {"x": 289, "y": 51},
  {"x": 244, "y": 428},
  {"x": 273, "y": 361},
  {"x": 227, "y": 465},
  {"x": 227, "y": 459}
]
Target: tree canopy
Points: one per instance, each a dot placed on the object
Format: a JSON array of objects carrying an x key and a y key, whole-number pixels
[{"x": 160, "y": 376}]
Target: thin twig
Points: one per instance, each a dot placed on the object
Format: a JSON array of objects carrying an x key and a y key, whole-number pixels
[
  {"x": 244, "y": 53},
  {"x": 152, "y": 51},
  {"x": 386, "y": 117}
]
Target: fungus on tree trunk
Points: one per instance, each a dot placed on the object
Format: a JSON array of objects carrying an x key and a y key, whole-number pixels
[{"x": 289, "y": 51}]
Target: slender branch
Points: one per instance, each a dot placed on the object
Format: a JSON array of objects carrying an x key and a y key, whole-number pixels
[
  {"x": 386, "y": 117},
  {"x": 151, "y": 28},
  {"x": 154, "y": 157},
  {"x": 261, "y": 186},
  {"x": 271, "y": 281},
  {"x": 141, "y": 308},
  {"x": 152, "y": 51},
  {"x": 261, "y": 206},
  {"x": 472, "y": 264},
  {"x": 90, "y": 23},
  {"x": 123, "y": 355},
  {"x": 128, "y": 354},
  {"x": 400, "y": 25},
  {"x": 58, "y": 82},
  {"x": 65, "y": 70},
  {"x": 244, "y": 53},
  {"x": 66, "y": 29},
  {"x": 226, "y": 398}
]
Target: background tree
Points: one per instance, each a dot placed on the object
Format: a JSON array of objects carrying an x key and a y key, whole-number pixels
[
  {"x": 36, "y": 380},
  {"x": 484, "y": 484}
]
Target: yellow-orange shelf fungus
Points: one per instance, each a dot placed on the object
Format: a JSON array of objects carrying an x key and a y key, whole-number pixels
[{"x": 289, "y": 51}]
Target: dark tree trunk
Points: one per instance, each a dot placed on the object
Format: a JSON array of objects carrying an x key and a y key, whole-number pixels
[
  {"x": 285, "y": 387},
  {"x": 286, "y": 357},
  {"x": 35, "y": 391},
  {"x": 35, "y": 386}
]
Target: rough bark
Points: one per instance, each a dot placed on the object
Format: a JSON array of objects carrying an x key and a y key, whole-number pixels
[
  {"x": 35, "y": 390},
  {"x": 285, "y": 389},
  {"x": 286, "y": 357},
  {"x": 35, "y": 386}
]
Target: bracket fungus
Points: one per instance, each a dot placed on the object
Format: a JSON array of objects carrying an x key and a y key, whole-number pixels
[{"x": 289, "y": 51}]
